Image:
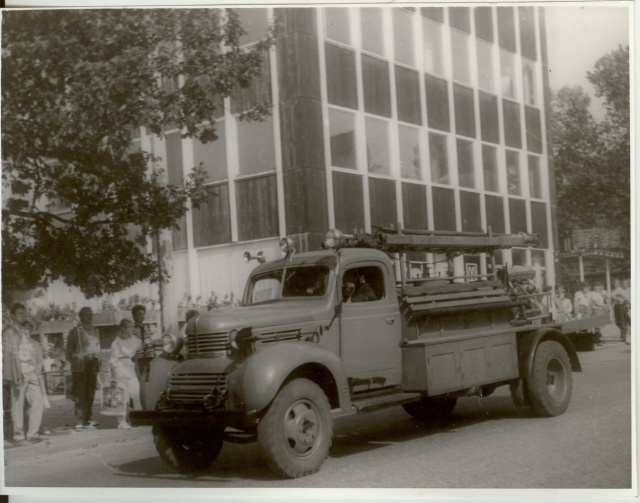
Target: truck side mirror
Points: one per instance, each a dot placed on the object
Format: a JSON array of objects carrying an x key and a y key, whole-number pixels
[{"x": 348, "y": 289}]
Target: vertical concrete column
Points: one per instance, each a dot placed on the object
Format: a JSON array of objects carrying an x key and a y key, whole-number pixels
[{"x": 301, "y": 131}]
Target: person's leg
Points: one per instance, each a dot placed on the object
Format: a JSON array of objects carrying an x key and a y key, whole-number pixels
[
  {"x": 36, "y": 407},
  {"x": 90, "y": 394},
  {"x": 122, "y": 420},
  {"x": 17, "y": 411},
  {"x": 134, "y": 390},
  {"x": 79, "y": 386}
]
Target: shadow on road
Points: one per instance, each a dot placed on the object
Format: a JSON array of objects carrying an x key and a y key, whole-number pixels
[
  {"x": 352, "y": 436},
  {"x": 235, "y": 462},
  {"x": 364, "y": 433}
]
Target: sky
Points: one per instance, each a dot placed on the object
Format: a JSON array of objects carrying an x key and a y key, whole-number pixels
[{"x": 577, "y": 36}]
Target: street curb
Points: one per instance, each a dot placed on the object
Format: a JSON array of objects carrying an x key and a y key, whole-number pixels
[{"x": 64, "y": 439}]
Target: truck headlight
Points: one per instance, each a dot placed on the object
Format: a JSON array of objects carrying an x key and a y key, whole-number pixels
[
  {"x": 241, "y": 340},
  {"x": 170, "y": 344}
]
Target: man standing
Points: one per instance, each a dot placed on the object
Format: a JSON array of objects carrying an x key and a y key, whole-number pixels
[
  {"x": 21, "y": 367},
  {"x": 83, "y": 353},
  {"x": 146, "y": 353}
]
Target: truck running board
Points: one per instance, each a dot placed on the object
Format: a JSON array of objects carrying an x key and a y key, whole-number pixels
[{"x": 380, "y": 401}]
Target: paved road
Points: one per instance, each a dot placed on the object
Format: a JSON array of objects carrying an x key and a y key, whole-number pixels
[{"x": 486, "y": 445}]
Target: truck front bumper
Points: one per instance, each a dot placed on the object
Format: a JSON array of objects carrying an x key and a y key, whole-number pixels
[{"x": 240, "y": 419}]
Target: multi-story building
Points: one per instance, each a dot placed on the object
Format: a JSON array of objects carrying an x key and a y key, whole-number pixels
[{"x": 431, "y": 118}]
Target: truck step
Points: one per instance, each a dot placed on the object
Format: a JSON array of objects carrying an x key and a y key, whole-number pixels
[{"x": 380, "y": 401}]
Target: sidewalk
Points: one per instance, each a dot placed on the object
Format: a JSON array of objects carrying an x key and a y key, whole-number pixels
[{"x": 60, "y": 421}]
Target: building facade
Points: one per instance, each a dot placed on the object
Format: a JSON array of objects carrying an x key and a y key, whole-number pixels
[{"x": 431, "y": 118}]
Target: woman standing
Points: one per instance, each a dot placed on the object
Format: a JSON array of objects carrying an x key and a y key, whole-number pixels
[{"x": 123, "y": 371}]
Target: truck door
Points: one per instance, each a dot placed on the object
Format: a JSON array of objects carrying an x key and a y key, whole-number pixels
[{"x": 370, "y": 328}]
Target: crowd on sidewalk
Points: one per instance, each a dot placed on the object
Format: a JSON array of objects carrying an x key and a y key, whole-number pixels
[
  {"x": 588, "y": 301},
  {"x": 24, "y": 390}
]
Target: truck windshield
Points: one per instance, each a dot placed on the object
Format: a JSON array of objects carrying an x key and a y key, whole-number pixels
[{"x": 304, "y": 281}]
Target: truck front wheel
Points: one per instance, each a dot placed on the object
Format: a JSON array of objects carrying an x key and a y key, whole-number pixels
[
  {"x": 187, "y": 451},
  {"x": 295, "y": 433},
  {"x": 549, "y": 385}
]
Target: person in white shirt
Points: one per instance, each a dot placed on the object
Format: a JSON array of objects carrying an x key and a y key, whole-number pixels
[
  {"x": 581, "y": 301},
  {"x": 598, "y": 298},
  {"x": 123, "y": 371},
  {"x": 563, "y": 305}
]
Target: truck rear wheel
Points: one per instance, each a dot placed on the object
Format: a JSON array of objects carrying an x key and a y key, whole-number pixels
[
  {"x": 431, "y": 408},
  {"x": 295, "y": 433},
  {"x": 549, "y": 385},
  {"x": 187, "y": 451}
]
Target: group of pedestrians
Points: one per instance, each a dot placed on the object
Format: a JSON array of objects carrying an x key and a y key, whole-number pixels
[
  {"x": 587, "y": 302},
  {"x": 22, "y": 368}
]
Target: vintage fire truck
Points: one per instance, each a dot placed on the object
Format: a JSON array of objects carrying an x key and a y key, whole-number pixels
[{"x": 345, "y": 330}]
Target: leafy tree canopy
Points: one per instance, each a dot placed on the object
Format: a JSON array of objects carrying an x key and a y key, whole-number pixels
[
  {"x": 592, "y": 159},
  {"x": 75, "y": 85}
]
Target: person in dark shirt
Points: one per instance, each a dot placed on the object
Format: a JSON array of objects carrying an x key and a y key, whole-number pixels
[{"x": 364, "y": 291}]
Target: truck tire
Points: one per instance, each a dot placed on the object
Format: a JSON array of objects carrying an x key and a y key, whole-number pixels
[
  {"x": 431, "y": 409},
  {"x": 295, "y": 433},
  {"x": 520, "y": 395},
  {"x": 549, "y": 385},
  {"x": 187, "y": 451}
]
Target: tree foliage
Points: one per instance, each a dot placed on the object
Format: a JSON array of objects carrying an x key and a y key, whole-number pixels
[
  {"x": 75, "y": 85},
  {"x": 592, "y": 159}
]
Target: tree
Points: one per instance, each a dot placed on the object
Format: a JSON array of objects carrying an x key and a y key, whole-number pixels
[
  {"x": 592, "y": 159},
  {"x": 75, "y": 85}
]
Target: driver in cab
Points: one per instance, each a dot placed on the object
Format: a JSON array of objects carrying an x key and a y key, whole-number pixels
[{"x": 364, "y": 291}]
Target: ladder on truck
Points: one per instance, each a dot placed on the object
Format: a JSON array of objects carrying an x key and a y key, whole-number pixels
[{"x": 448, "y": 243}]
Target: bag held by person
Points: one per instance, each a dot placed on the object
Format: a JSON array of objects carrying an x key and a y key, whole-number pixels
[{"x": 114, "y": 402}]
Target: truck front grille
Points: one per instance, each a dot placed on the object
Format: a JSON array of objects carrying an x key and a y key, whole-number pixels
[
  {"x": 206, "y": 343},
  {"x": 191, "y": 388},
  {"x": 285, "y": 335}
]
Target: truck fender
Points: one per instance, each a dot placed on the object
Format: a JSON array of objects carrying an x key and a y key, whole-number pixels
[
  {"x": 528, "y": 343},
  {"x": 257, "y": 380}
]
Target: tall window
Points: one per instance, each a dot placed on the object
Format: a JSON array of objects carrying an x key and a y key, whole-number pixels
[
  {"x": 529, "y": 82},
  {"x": 490, "y": 168},
  {"x": 489, "y": 128},
  {"x": 514, "y": 185},
  {"x": 535, "y": 181},
  {"x": 465, "y": 163},
  {"x": 437, "y": 103},
  {"x": 484, "y": 23},
  {"x": 403, "y": 36},
  {"x": 433, "y": 55},
  {"x": 408, "y": 95},
  {"x": 371, "y": 22},
  {"x": 342, "y": 130},
  {"x": 409, "y": 152},
  {"x": 341, "y": 76},
  {"x": 508, "y": 74},
  {"x": 212, "y": 155},
  {"x": 376, "y": 86},
  {"x": 377, "y": 146},
  {"x": 337, "y": 24},
  {"x": 460, "y": 56},
  {"x": 486, "y": 80},
  {"x": 255, "y": 22},
  {"x": 256, "y": 152},
  {"x": 438, "y": 158},
  {"x": 464, "y": 111}
]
